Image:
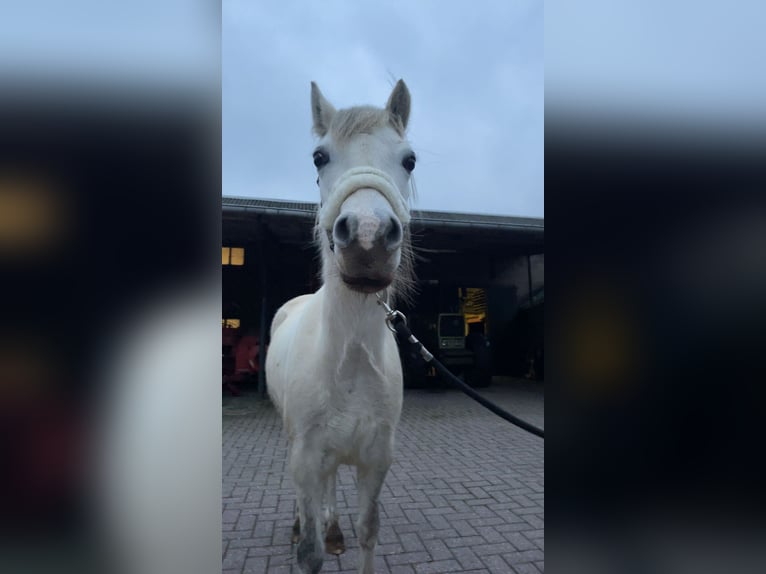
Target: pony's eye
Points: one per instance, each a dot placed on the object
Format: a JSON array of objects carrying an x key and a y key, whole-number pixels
[
  {"x": 408, "y": 162},
  {"x": 320, "y": 158}
]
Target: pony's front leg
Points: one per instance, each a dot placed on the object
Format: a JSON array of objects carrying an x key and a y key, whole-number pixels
[
  {"x": 333, "y": 541},
  {"x": 310, "y": 548},
  {"x": 370, "y": 481},
  {"x": 310, "y": 484}
]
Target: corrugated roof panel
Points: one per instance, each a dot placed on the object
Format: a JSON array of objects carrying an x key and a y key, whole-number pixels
[
  {"x": 419, "y": 216},
  {"x": 269, "y": 203}
]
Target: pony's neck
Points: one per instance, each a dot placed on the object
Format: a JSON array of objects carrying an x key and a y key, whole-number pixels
[{"x": 352, "y": 317}]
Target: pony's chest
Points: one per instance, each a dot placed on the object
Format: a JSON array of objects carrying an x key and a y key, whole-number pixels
[
  {"x": 360, "y": 379},
  {"x": 350, "y": 433},
  {"x": 361, "y": 400},
  {"x": 364, "y": 394}
]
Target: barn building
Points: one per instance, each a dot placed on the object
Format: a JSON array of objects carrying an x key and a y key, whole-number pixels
[{"x": 489, "y": 269}]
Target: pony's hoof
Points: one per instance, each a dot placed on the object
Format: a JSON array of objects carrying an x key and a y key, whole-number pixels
[
  {"x": 296, "y": 531},
  {"x": 333, "y": 541}
]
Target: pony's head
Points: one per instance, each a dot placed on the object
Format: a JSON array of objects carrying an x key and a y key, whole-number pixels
[{"x": 364, "y": 164}]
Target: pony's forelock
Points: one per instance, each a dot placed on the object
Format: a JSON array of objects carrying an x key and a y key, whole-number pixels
[{"x": 348, "y": 122}]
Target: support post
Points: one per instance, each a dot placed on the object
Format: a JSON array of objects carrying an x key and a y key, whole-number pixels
[
  {"x": 262, "y": 350},
  {"x": 262, "y": 338},
  {"x": 529, "y": 277}
]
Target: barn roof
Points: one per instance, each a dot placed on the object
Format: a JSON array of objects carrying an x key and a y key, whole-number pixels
[{"x": 282, "y": 216}]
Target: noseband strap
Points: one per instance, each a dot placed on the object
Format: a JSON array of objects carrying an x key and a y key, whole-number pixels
[{"x": 360, "y": 178}]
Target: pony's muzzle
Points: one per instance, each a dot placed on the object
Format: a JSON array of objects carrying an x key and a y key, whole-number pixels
[
  {"x": 369, "y": 231},
  {"x": 367, "y": 242}
]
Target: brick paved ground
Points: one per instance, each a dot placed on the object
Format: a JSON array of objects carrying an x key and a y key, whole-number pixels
[{"x": 465, "y": 492}]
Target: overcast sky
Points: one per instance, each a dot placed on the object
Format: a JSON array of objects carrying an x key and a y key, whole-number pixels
[{"x": 475, "y": 72}]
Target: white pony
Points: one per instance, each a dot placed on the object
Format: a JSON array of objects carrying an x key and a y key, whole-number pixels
[{"x": 333, "y": 368}]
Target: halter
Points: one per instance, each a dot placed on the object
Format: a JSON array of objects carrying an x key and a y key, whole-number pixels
[{"x": 360, "y": 178}]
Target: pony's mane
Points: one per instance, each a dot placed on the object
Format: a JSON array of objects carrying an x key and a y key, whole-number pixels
[{"x": 362, "y": 120}]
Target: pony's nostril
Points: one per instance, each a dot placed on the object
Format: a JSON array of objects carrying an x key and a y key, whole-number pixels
[
  {"x": 394, "y": 234},
  {"x": 343, "y": 230}
]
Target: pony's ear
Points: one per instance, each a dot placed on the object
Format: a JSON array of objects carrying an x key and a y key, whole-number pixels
[
  {"x": 399, "y": 103},
  {"x": 321, "y": 111}
]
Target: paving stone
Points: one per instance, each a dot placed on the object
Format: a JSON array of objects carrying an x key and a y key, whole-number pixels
[
  {"x": 439, "y": 567},
  {"x": 526, "y": 568},
  {"x": 465, "y": 492},
  {"x": 408, "y": 558},
  {"x": 234, "y": 558},
  {"x": 438, "y": 550},
  {"x": 256, "y": 565},
  {"x": 496, "y": 563},
  {"x": 467, "y": 558},
  {"x": 411, "y": 542},
  {"x": 519, "y": 541}
]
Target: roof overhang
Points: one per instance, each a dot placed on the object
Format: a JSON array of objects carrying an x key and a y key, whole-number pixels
[{"x": 526, "y": 232}]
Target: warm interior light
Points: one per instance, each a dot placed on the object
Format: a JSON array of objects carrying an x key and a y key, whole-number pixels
[
  {"x": 237, "y": 255},
  {"x": 474, "y": 306},
  {"x": 225, "y": 253}
]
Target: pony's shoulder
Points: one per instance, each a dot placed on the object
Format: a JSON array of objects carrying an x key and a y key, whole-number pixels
[{"x": 285, "y": 310}]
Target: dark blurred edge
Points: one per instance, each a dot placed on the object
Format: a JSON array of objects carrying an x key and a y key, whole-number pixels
[
  {"x": 132, "y": 176},
  {"x": 657, "y": 314}
]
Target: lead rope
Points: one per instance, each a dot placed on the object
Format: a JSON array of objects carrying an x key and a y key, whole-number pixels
[{"x": 397, "y": 323}]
